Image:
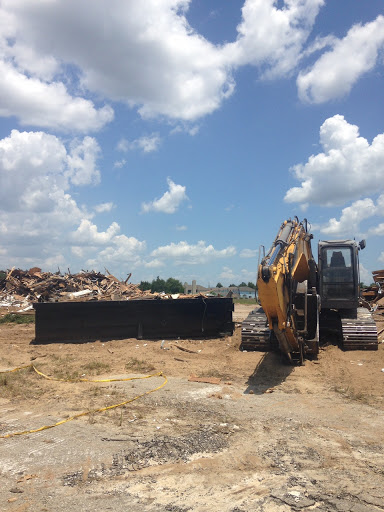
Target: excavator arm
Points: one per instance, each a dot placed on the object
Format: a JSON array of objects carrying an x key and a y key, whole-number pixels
[{"x": 287, "y": 280}]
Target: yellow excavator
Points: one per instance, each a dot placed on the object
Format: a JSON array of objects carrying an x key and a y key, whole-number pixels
[{"x": 304, "y": 304}]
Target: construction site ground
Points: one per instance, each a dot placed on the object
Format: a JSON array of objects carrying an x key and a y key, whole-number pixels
[{"x": 257, "y": 435}]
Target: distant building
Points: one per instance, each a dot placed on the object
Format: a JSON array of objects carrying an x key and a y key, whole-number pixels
[
  {"x": 239, "y": 292},
  {"x": 242, "y": 292},
  {"x": 192, "y": 289}
]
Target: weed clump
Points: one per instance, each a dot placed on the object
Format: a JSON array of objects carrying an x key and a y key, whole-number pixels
[
  {"x": 139, "y": 365},
  {"x": 15, "y": 318}
]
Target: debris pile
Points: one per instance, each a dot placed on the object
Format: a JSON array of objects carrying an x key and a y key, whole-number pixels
[
  {"x": 374, "y": 294},
  {"x": 378, "y": 277},
  {"x": 19, "y": 288}
]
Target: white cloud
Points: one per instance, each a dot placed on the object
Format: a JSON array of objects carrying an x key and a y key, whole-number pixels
[
  {"x": 183, "y": 252},
  {"x": 36, "y": 169},
  {"x": 350, "y": 219},
  {"x": 186, "y": 128},
  {"x": 377, "y": 230},
  {"x": 104, "y": 207},
  {"x": 336, "y": 71},
  {"x": 47, "y": 105},
  {"x": 87, "y": 234},
  {"x": 181, "y": 228},
  {"x": 352, "y": 216},
  {"x": 147, "y": 144},
  {"x": 227, "y": 273},
  {"x": 381, "y": 257},
  {"x": 249, "y": 275},
  {"x": 122, "y": 251},
  {"x": 169, "y": 202},
  {"x": 82, "y": 162},
  {"x": 144, "y": 54},
  {"x": 156, "y": 263},
  {"x": 248, "y": 253},
  {"x": 348, "y": 168},
  {"x": 40, "y": 223},
  {"x": 57, "y": 57},
  {"x": 35, "y": 205},
  {"x": 272, "y": 37},
  {"x": 365, "y": 275},
  {"x": 119, "y": 163}
]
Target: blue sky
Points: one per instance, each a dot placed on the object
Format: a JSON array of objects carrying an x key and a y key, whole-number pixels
[{"x": 172, "y": 137}]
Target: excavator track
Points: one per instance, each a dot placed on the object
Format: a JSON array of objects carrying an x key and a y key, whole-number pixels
[
  {"x": 255, "y": 333},
  {"x": 359, "y": 330}
]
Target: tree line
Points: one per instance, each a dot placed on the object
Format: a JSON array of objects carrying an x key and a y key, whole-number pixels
[
  {"x": 159, "y": 285},
  {"x": 172, "y": 285},
  {"x": 250, "y": 285}
]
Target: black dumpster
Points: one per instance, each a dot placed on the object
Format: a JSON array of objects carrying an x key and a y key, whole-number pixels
[{"x": 145, "y": 318}]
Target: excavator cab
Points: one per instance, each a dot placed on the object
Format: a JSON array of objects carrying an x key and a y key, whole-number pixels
[{"x": 339, "y": 274}]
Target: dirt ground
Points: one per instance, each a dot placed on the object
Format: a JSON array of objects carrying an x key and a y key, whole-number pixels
[{"x": 256, "y": 436}]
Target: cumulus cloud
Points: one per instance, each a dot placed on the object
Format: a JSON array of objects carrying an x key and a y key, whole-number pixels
[
  {"x": 336, "y": 71},
  {"x": 227, "y": 273},
  {"x": 273, "y": 37},
  {"x": 147, "y": 144},
  {"x": 156, "y": 263},
  {"x": 143, "y": 54},
  {"x": 122, "y": 251},
  {"x": 248, "y": 253},
  {"x": 36, "y": 168},
  {"x": 37, "y": 172},
  {"x": 104, "y": 207},
  {"x": 350, "y": 218},
  {"x": 29, "y": 85},
  {"x": 190, "y": 254},
  {"x": 249, "y": 275},
  {"x": 40, "y": 222},
  {"x": 377, "y": 230},
  {"x": 191, "y": 129},
  {"x": 119, "y": 164},
  {"x": 146, "y": 55},
  {"x": 169, "y": 202},
  {"x": 365, "y": 275},
  {"x": 348, "y": 168},
  {"x": 47, "y": 105},
  {"x": 88, "y": 234},
  {"x": 82, "y": 161}
]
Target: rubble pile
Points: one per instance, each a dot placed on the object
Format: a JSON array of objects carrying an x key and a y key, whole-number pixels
[
  {"x": 374, "y": 294},
  {"x": 19, "y": 288}
]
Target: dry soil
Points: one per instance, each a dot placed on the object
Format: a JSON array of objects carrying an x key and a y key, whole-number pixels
[{"x": 256, "y": 436}]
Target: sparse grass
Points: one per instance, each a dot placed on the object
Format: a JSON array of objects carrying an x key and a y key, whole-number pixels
[
  {"x": 61, "y": 360},
  {"x": 14, "y": 318},
  {"x": 213, "y": 372},
  {"x": 21, "y": 383},
  {"x": 96, "y": 367},
  {"x": 352, "y": 394},
  {"x": 139, "y": 365},
  {"x": 66, "y": 374},
  {"x": 62, "y": 369},
  {"x": 96, "y": 391}
]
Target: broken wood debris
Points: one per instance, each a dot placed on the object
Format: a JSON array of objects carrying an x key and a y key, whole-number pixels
[
  {"x": 374, "y": 294},
  {"x": 19, "y": 288}
]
